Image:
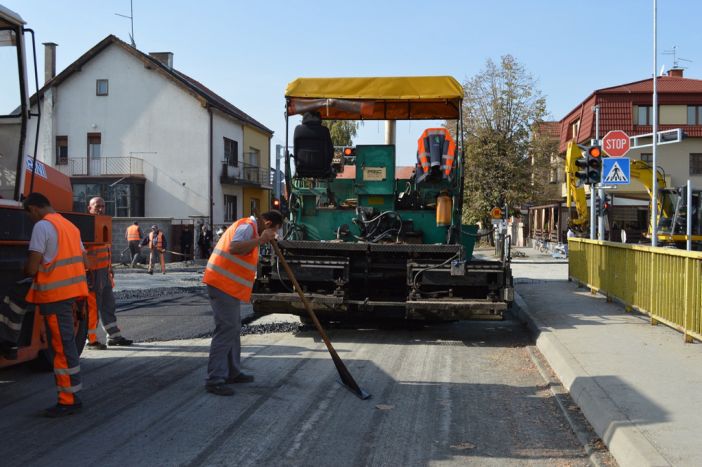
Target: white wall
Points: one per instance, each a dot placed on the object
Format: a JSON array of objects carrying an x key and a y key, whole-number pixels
[
  {"x": 145, "y": 115},
  {"x": 675, "y": 160}
]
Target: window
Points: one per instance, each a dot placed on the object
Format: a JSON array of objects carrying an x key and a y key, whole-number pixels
[
  {"x": 647, "y": 157},
  {"x": 101, "y": 87},
  {"x": 254, "y": 157},
  {"x": 255, "y": 203},
  {"x": 644, "y": 115},
  {"x": 94, "y": 145},
  {"x": 695, "y": 164},
  {"x": 61, "y": 150},
  {"x": 230, "y": 214},
  {"x": 231, "y": 152},
  {"x": 694, "y": 114},
  {"x": 574, "y": 129}
]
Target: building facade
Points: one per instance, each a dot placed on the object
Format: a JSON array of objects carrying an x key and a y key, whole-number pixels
[{"x": 152, "y": 141}]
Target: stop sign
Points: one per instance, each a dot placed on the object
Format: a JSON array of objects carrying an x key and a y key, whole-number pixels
[{"x": 616, "y": 143}]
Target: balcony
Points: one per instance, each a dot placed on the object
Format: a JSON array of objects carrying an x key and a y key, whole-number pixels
[
  {"x": 102, "y": 167},
  {"x": 246, "y": 174}
]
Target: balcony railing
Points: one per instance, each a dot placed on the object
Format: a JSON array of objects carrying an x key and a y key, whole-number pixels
[
  {"x": 246, "y": 174},
  {"x": 102, "y": 166}
]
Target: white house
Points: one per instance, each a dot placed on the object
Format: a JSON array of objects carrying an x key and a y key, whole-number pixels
[{"x": 149, "y": 139}]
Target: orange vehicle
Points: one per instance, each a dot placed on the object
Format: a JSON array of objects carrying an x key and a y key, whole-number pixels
[{"x": 22, "y": 328}]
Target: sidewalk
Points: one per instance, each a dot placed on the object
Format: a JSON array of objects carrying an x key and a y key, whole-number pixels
[{"x": 638, "y": 385}]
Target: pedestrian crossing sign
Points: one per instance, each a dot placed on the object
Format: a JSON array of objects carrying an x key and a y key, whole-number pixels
[{"x": 616, "y": 171}]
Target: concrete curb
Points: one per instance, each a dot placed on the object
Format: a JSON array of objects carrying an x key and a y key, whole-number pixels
[{"x": 625, "y": 441}]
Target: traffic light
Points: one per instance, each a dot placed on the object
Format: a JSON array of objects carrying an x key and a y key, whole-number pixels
[
  {"x": 606, "y": 205},
  {"x": 594, "y": 165},
  {"x": 275, "y": 202},
  {"x": 581, "y": 175}
]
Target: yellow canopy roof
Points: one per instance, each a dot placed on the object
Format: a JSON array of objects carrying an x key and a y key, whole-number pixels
[{"x": 387, "y": 98}]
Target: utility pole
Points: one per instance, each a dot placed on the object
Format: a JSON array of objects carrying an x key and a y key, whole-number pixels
[
  {"x": 276, "y": 177},
  {"x": 654, "y": 200},
  {"x": 593, "y": 188}
]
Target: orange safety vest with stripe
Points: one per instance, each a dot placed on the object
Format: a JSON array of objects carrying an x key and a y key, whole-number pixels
[
  {"x": 133, "y": 233},
  {"x": 99, "y": 257},
  {"x": 64, "y": 276},
  {"x": 232, "y": 274},
  {"x": 159, "y": 240},
  {"x": 442, "y": 137}
]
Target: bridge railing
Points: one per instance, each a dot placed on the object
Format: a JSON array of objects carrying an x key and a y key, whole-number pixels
[{"x": 664, "y": 283}]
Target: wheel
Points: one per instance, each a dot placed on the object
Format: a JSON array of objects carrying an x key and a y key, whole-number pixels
[{"x": 45, "y": 360}]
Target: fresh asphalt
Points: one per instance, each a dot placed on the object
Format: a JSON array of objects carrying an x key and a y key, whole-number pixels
[{"x": 463, "y": 393}]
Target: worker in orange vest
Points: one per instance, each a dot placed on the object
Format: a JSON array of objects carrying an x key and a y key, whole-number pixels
[
  {"x": 57, "y": 263},
  {"x": 157, "y": 245},
  {"x": 101, "y": 301},
  {"x": 229, "y": 276},
  {"x": 436, "y": 151},
  {"x": 134, "y": 236}
]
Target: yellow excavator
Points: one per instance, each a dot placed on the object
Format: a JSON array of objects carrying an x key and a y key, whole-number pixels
[{"x": 672, "y": 202}]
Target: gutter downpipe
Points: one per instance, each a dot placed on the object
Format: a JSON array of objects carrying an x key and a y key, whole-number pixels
[{"x": 211, "y": 169}]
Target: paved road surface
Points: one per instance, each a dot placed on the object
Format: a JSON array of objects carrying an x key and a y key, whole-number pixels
[{"x": 450, "y": 394}]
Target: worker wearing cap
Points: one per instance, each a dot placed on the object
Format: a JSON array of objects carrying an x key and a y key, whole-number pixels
[
  {"x": 157, "y": 245},
  {"x": 57, "y": 263},
  {"x": 229, "y": 276},
  {"x": 101, "y": 301}
]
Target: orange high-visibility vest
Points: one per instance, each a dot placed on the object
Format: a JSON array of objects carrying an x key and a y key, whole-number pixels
[
  {"x": 64, "y": 276},
  {"x": 159, "y": 240},
  {"x": 448, "y": 152},
  {"x": 232, "y": 274},
  {"x": 99, "y": 257},
  {"x": 133, "y": 233}
]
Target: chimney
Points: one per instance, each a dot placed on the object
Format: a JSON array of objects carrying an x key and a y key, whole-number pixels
[
  {"x": 165, "y": 58},
  {"x": 49, "y": 61},
  {"x": 676, "y": 72}
]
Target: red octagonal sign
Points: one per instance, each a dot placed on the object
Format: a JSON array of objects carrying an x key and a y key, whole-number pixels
[{"x": 616, "y": 143}]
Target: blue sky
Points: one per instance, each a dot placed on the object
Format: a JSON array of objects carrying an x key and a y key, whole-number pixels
[{"x": 248, "y": 51}]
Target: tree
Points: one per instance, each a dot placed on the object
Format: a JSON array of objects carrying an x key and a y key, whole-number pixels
[
  {"x": 500, "y": 107},
  {"x": 342, "y": 131}
]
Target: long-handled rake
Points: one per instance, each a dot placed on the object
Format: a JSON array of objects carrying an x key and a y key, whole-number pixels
[{"x": 346, "y": 377}]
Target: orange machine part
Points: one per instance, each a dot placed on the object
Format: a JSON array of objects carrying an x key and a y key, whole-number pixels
[{"x": 52, "y": 184}]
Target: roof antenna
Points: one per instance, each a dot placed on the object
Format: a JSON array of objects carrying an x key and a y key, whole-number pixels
[
  {"x": 131, "y": 20},
  {"x": 676, "y": 59}
]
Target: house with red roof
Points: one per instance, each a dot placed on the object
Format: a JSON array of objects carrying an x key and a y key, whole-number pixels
[
  {"x": 151, "y": 140},
  {"x": 628, "y": 107}
]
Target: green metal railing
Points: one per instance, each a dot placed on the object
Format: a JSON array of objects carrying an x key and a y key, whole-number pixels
[{"x": 664, "y": 283}]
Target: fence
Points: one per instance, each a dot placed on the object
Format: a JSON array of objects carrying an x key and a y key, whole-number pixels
[
  {"x": 102, "y": 166},
  {"x": 664, "y": 283}
]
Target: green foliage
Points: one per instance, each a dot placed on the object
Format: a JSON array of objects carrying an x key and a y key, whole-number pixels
[
  {"x": 501, "y": 105},
  {"x": 342, "y": 131}
]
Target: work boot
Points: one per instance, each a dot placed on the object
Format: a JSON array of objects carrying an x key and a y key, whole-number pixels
[
  {"x": 219, "y": 389},
  {"x": 151, "y": 272},
  {"x": 240, "y": 378},
  {"x": 60, "y": 410},
  {"x": 119, "y": 341},
  {"x": 97, "y": 345}
]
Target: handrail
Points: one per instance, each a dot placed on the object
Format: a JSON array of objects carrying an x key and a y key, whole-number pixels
[{"x": 664, "y": 283}]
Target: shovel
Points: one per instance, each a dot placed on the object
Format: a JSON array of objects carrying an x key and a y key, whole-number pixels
[{"x": 346, "y": 377}]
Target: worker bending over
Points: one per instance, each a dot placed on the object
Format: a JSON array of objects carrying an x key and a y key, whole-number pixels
[{"x": 229, "y": 276}]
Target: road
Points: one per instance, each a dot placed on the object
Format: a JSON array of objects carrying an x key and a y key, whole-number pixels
[{"x": 448, "y": 394}]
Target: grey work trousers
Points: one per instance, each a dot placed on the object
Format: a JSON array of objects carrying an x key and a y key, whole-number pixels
[
  {"x": 62, "y": 346},
  {"x": 105, "y": 300},
  {"x": 225, "y": 349}
]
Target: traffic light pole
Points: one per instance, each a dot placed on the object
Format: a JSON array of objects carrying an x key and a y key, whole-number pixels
[{"x": 600, "y": 190}]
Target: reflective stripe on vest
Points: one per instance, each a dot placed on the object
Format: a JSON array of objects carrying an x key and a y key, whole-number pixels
[
  {"x": 159, "y": 240},
  {"x": 98, "y": 257},
  {"x": 232, "y": 274},
  {"x": 64, "y": 276},
  {"x": 133, "y": 233}
]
